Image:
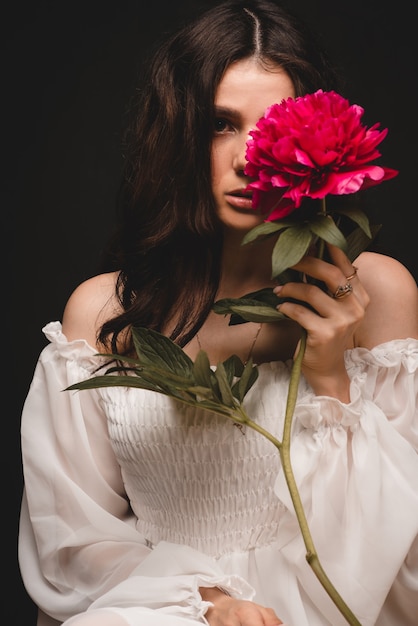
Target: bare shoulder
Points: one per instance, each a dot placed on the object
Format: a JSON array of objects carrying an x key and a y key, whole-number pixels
[
  {"x": 393, "y": 309},
  {"x": 89, "y": 306}
]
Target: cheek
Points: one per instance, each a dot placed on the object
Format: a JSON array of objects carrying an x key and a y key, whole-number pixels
[{"x": 218, "y": 164}]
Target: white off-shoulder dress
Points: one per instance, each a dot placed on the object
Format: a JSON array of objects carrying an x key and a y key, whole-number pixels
[{"x": 133, "y": 501}]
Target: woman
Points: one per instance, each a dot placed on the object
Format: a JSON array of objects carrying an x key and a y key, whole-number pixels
[{"x": 138, "y": 511}]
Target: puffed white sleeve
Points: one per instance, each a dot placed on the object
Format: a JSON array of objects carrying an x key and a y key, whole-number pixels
[
  {"x": 356, "y": 467},
  {"x": 78, "y": 543}
]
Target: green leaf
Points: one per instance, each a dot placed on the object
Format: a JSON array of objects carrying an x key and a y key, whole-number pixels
[
  {"x": 115, "y": 369},
  {"x": 117, "y": 357},
  {"x": 250, "y": 307},
  {"x": 215, "y": 406},
  {"x": 199, "y": 392},
  {"x": 326, "y": 229},
  {"x": 238, "y": 365},
  {"x": 358, "y": 241},
  {"x": 359, "y": 217},
  {"x": 198, "y": 386},
  {"x": 265, "y": 229},
  {"x": 289, "y": 276},
  {"x": 258, "y": 313},
  {"x": 232, "y": 365},
  {"x": 290, "y": 247},
  {"x": 202, "y": 371},
  {"x": 247, "y": 380},
  {"x": 206, "y": 378},
  {"x": 264, "y": 296},
  {"x": 251, "y": 312},
  {"x": 154, "y": 348},
  {"x": 112, "y": 381},
  {"x": 165, "y": 379},
  {"x": 224, "y": 386}
]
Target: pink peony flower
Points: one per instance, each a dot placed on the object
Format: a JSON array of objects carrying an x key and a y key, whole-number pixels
[{"x": 311, "y": 146}]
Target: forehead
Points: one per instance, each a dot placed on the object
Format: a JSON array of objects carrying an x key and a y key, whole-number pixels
[{"x": 247, "y": 85}]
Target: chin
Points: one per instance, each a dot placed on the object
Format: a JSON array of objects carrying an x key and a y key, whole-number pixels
[
  {"x": 245, "y": 225},
  {"x": 242, "y": 222}
]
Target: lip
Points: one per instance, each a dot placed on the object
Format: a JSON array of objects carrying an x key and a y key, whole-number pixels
[{"x": 239, "y": 198}]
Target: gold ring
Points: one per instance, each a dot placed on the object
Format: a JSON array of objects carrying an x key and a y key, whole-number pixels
[
  {"x": 354, "y": 274},
  {"x": 343, "y": 291}
]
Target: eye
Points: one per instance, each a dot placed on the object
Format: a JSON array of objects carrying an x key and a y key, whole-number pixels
[{"x": 222, "y": 125}]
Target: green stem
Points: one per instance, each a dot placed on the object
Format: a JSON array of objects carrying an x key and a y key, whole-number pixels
[
  {"x": 244, "y": 419},
  {"x": 284, "y": 451},
  {"x": 321, "y": 242}
]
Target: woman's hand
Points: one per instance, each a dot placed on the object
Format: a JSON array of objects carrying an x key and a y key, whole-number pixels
[
  {"x": 331, "y": 327},
  {"x": 227, "y": 611}
]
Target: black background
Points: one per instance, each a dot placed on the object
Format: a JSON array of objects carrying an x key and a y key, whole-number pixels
[{"x": 69, "y": 70}]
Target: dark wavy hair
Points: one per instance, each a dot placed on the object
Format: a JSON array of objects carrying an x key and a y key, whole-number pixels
[{"x": 168, "y": 241}]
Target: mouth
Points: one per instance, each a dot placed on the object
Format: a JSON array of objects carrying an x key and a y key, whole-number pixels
[{"x": 239, "y": 199}]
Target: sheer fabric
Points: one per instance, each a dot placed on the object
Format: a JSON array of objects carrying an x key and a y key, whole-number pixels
[{"x": 133, "y": 501}]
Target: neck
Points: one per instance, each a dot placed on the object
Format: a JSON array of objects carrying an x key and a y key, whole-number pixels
[
  {"x": 246, "y": 267},
  {"x": 244, "y": 340}
]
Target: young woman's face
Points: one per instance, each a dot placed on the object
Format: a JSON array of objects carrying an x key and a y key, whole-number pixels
[{"x": 243, "y": 95}]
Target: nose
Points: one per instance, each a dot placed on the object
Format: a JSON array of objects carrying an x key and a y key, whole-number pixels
[{"x": 240, "y": 149}]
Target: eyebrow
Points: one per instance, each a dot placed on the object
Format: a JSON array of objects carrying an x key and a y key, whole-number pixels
[{"x": 227, "y": 112}]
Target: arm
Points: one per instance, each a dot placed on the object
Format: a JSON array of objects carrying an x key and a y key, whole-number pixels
[
  {"x": 77, "y": 518},
  {"x": 78, "y": 543}
]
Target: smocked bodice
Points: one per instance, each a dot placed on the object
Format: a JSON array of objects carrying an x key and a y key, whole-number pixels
[{"x": 194, "y": 477}]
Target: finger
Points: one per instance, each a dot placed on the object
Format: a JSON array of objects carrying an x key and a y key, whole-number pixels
[
  {"x": 270, "y": 618},
  {"x": 340, "y": 259},
  {"x": 353, "y": 275},
  {"x": 332, "y": 275},
  {"x": 321, "y": 303}
]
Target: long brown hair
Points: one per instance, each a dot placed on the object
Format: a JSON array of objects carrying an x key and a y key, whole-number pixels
[{"x": 168, "y": 241}]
